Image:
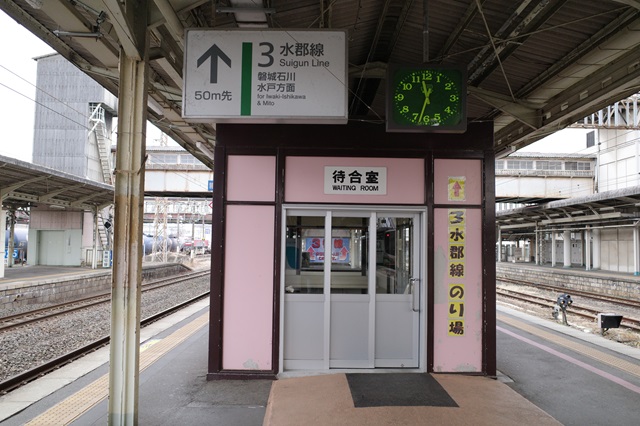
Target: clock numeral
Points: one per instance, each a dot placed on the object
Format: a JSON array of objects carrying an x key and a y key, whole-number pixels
[
  {"x": 447, "y": 110},
  {"x": 406, "y": 86},
  {"x": 405, "y": 109},
  {"x": 399, "y": 97},
  {"x": 453, "y": 98},
  {"x": 448, "y": 86},
  {"x": 426, "y": 119},
  {"x": 437, "y": 118}
]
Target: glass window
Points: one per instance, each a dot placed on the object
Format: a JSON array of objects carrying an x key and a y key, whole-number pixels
[
  {"x": 542, "y": 165},
  {"x": 555, "y": 165},
  {"x": 187, "y": 159},
  {"x": 349, "y": 255},
  {"x": 393, "y": 255},
  {"x": 171, "y": 159},
  {"x": 571, "y": 165},
  {"x": 584, "y": 166},
  {"x": 304, "y": 254}
]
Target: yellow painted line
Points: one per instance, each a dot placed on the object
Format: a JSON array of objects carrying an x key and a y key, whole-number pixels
[
  {"x": 82, "y": 401},
  {"x": 629, "y": 367}
]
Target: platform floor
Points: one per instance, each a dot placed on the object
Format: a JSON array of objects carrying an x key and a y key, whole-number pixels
[
  {"x": 42, "y": 273},
  {"x": 174, "y": 390}
]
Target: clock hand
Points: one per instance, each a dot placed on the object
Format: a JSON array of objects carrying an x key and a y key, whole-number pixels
[
  {"x": 427, "y": 93},
  {"x": 424, "y": 104}
]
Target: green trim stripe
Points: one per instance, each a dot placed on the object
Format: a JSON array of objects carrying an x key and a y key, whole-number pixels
[{"x": 245, "y": 86}]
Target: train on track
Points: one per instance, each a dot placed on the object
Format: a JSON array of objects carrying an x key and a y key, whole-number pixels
[{"x": 20, "y": 243}]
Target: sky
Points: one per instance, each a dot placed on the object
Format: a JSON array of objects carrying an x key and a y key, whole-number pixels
[
  {"x": 18, "y": 90},
  {"x": 17, "y": 87}
]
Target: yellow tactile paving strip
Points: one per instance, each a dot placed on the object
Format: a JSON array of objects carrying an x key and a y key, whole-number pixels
[
  {"x": 71, "y": 408},
  {"x": 629, "y": 367}
]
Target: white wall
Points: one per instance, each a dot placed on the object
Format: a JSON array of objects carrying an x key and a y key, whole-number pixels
[{"x": 618, "y": 160}]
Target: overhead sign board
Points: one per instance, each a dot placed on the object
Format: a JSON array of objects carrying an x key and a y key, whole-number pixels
[{"x": 265, "y": 76}]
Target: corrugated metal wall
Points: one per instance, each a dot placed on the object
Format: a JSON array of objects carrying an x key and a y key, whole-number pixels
[{"x": 61, "y": 135}]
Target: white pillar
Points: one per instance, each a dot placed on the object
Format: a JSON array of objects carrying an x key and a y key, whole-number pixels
[
  {"x": 596, "y": 249},
  {"x": 96, "y": 237},
  {"x": 12, "y": 238},
  {"x": 3, "y": 233},
  {"x": 553, "y": 249},
  {"x": 636, "y": 250},
  {"x": 537, "y": 248},
  {"x": 587, "y": 249},
  {"x": 566, "y": 236},
  {"x": 126, "y": 280},
  {"x": 499, "y": 244}
]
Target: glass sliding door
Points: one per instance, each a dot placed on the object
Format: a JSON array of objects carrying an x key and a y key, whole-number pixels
[
  {"x": 350, "y": 300},
  {"x": 397, "y": 291},
  {"x": 304, "y": 295},
  {"x": 351, "y": 289}
]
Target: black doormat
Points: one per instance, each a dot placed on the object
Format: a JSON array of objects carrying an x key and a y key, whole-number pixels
[{"x": 397, "y": 390}]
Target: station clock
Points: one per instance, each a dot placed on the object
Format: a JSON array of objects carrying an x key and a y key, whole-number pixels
[{"x": 426, "y": 98}]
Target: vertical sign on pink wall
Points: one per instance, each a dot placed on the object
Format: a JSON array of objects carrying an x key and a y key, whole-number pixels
[
  {"x": 457, "y": 222},
  {"x": 458, "y": 307}
]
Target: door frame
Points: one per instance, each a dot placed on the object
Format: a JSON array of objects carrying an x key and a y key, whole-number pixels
[{"x": 357, "y": 210}]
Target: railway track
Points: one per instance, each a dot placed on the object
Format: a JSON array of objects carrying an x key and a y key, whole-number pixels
[
  {"x": 580, "y": 310},
  {"x": 13, "y": 321},
  {"x": 591, "y": 295},
  {"x": 39, "y": 371}
]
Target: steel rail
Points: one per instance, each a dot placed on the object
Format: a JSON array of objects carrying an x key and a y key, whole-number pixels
[
  {"x": 24, "y": 318},
  {"x": 581, "y": 311},
  {"x": 54, "y": 364},
  {"x": 592, "y": 295}
]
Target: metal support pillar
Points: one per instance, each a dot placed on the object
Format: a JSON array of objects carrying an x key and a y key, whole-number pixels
[
  {"x": 96, "y": 237},
  {"x": 499, "y": 245},
  {"x": 553, "y": 249},
  {"x": 596, "y": 249},
  {"x": 566, "y": 246},
  {"x": 3, "y": 232},
  {"x": 128, "y": 249},
  {"x": 537, "y": 248},
  {"x": 636, "y": 250},
  {"x": 587, "y": 249},
  {"x": 12, "y": 238}
]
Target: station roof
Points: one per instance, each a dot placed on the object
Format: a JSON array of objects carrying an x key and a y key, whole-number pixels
[
  {"x": 619, "y": 207},
  {"x": 533, "y": 67},
  {"x": 24, "y": 184}
]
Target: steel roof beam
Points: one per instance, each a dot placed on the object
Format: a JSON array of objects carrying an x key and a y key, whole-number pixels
[
  {"x": 507, "y": 44},
  {"x": 610, "y": 83}
]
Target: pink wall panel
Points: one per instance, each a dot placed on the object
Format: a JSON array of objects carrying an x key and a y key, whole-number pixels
[
  {"x": 248, "y": 288},
  {"x": 304, "y": 180},
  {"x": 251, "y": 178},
  {"x": 470, "y": 170},
  {"x": 458, "y": 353}
]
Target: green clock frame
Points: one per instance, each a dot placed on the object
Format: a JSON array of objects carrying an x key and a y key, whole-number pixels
[{"x": 426, "y": 98}]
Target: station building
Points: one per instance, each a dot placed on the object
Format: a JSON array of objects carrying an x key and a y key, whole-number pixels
[
  {"x": 576, "y": 210},
  {"x": 376, "y": 256}
]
